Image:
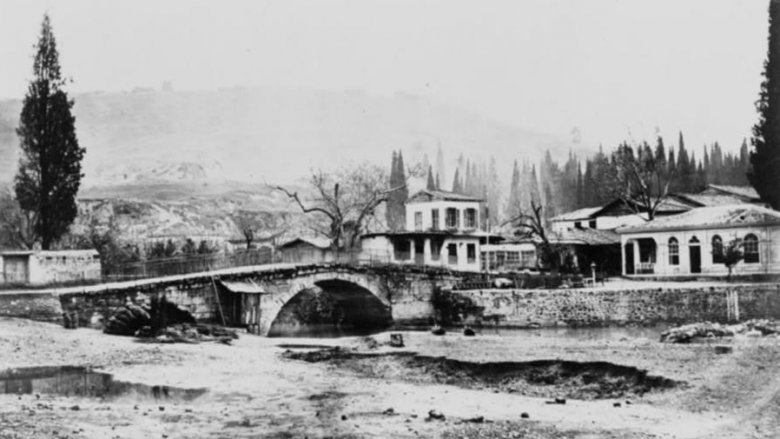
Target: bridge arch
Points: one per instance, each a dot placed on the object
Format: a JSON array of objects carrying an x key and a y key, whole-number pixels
[{"x": 362, "y": 301}]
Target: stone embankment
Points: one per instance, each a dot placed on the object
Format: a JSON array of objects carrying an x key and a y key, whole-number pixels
[
  {"x": 34, "y": 305},
  {"x": 605, "y": 307}
]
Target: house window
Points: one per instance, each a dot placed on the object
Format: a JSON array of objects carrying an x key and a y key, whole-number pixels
[
  {"x": 435, "y": 249},
  {"x": 471, "y": 253},
  {"x": 418, "y": 221},
  {"x": 528, "y": 258},
  {"x": 577, "y": 225},
  {"x": 674, "y": 252},
  {"x": 451, "y": 221},
  {"x": 513, "y": 259},
  {"x": 592, "y": 224},
  {"x": 717, "y": 250},
  {"x": 452, "y": 254},
  {"x": 471, "y": 218},
  {"x": 751, "y": 249},
  {"x": 435, "y": 219}
]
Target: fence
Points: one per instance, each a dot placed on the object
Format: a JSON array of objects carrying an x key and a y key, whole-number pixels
[{"x": 187, "y": 264}]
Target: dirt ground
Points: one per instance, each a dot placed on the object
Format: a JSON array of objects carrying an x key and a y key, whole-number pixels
[{"x": 255, "y": 391}]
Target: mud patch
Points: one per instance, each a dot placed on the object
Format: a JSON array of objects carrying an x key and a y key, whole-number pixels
[
  {"x": 327, "y": 395},
  {"x": 540, "y": 378},
  {"x": 81, "y": 381}
]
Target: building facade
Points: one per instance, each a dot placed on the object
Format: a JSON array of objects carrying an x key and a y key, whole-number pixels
[
  {"x": 42, "y": 267},
  {"x": 442, "y": 229},
  {"x": 684, "y": 245}
]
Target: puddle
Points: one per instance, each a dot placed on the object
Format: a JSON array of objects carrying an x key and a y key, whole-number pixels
[
  {"x": 81, "y": 381},
  {"x": 302, "y": 346},
  {"x": 540, "y": 378}
]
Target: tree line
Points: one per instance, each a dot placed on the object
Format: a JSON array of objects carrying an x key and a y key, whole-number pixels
[{"x": 576, "y": 183}]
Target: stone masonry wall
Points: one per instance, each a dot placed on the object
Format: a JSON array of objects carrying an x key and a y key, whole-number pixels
[
  {"x": 93, "y": 308},
  {"x": 31, "y": 305},
  {"x": 586, "y": 307}
]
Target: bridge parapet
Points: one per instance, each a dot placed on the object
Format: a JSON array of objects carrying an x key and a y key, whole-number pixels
[{"x": 405, "y": 289}]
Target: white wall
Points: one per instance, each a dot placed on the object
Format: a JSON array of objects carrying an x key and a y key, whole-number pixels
[
  {"x": 769, "y": 251},
  {"x": 442, "y": 206}
]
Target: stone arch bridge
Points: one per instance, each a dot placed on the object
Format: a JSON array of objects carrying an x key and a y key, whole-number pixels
[{"x": 255, "y": 296}]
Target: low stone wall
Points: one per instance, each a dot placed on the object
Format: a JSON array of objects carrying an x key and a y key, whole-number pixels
[
  {"x": 597, "y": 307},
  {"x": 31, "y": 305},
  {"x": 94, "y": 307}
]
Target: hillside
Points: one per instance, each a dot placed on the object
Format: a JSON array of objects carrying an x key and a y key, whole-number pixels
[
  {"x": 181, "y": 163},
  {"x": 262, "y": 135}
]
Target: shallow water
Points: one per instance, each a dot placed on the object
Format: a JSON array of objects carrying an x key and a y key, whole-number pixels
[
  {"x": 583, "y": 334},
  {"x": 580, "y": 333},
  {"x": 81, "y": 381}
]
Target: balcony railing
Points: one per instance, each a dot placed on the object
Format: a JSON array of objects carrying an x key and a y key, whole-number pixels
[{"x": 645, "y": 268}]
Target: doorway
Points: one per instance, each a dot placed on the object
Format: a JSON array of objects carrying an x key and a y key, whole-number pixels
[{"x": 694, "y": 250}]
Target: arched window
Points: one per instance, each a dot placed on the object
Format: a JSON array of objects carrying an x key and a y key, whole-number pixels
[
  {"x": 674, "y": 252},
  {"x": 751, "y": 249},
  {"x": 717, "y": 250}
]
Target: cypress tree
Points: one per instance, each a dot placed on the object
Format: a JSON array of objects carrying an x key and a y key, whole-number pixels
[
  {"x": 430, "y": 185},
  {"x": 49, "y": 172},
  {"x": 764, "y": 174},
  {"x": 402, "y": 194},
  {"x": 390, "y": 206},
  {"x": 456, "y": 185},
  {"x": 514, "y": 208}
]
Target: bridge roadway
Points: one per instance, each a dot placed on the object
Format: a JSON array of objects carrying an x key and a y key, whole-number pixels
[{"x": 397, "y": 293}]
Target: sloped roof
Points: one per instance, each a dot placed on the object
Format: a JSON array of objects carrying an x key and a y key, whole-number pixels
[
  {"x": 667, "y": 206},
  {"x": 712, "y": 199},
  {"x": 584, "y": 213},
  {"x": 321, "y": 243},
  {"x": 735, "y": 215},
  {"x": 430, "y": 195},
  {"x": 740, "y": 191},
  {"x": 585, "y": 237}
]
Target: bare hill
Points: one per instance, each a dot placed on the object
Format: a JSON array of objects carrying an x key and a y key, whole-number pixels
[{"x": 256, "y": 135}]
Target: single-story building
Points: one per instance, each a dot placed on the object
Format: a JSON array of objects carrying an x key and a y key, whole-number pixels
[
  {"x": 591, "y": 246},
  {"x": 510, "y": 256},
  {"x": 306, "y": 250},
  {"x": 41, "y": 267},
  {"x": 682, "y": 245}
]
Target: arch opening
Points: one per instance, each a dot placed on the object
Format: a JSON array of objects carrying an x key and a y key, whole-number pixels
[{"x": 331, "y": 308}]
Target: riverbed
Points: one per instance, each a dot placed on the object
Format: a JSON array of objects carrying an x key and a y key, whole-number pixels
[{"x": 256, "y": 388}]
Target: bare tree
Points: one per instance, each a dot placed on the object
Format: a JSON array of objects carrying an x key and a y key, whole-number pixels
[
  {"x": 533, "y": 225},
  {"x": 640, "y": 180},
  {"x": 347, "y": 199}
]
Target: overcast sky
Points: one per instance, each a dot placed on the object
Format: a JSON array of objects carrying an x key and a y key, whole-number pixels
[{"x": 613, "y": 68}]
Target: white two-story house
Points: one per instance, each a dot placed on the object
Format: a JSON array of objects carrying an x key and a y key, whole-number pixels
[{"x": 442, "y": 229}]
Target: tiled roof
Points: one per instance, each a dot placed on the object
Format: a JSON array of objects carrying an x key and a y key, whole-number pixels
[
  {"x": 585, "y": 237},
  {"x": 322, "y": 243},
  {"x": 733, "y": 215},
  {"x": 430, "y": 195},
  {"x": 584, "y": 213},
  {"x": 741, "y": 191},
  {"x": 708, "y": 199}
]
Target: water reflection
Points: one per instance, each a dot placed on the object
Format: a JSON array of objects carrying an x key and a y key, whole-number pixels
[
  {"x": 80, "y": 381},
  {"x": 583, "y": 334},
  {"x": 323, "y": 330}
]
